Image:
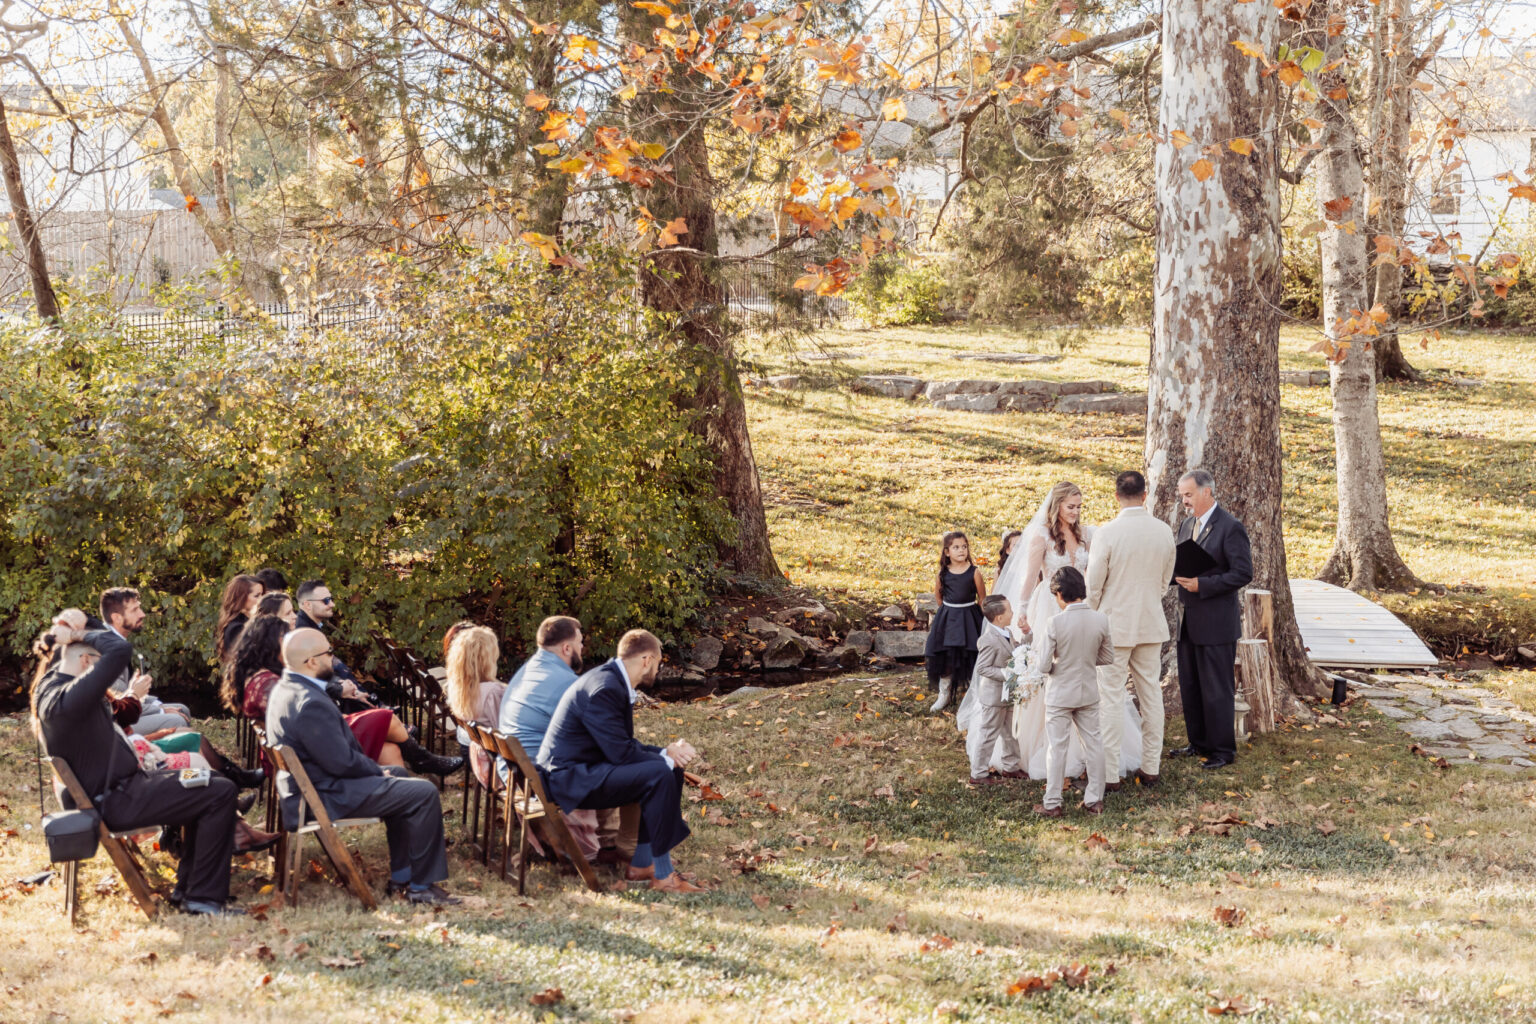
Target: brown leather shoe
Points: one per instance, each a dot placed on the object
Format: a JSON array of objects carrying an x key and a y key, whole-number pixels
[
  {"x": 675, "y": 882},
  {"x": 1097, "y": 808},
  {"x": 1144, "y": 780},
  {"x": 648, "y": 874},
  {"x": 1111, "y": 787},
  {"x": 972, "y": 782},
  {"x": 1013, "y": 775},
  {"x": 1049, "y": 812}
]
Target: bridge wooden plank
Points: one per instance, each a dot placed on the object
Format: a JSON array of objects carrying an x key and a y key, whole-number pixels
[{"x": 1343, "y": 629}]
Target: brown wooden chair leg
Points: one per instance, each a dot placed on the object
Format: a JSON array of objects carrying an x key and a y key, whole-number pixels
[
  {"x": 138, "y": 885},
  {"x": 291, "y": 872},
  {"x": 72, "y": 890},
  {"x": 346, "y": 867}
]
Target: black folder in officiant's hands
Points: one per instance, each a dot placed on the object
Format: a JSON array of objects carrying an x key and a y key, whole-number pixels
[{"x": 1190, "y": 560}]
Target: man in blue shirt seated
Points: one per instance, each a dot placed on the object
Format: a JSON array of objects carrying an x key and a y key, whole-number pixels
[{"x": 607, "y": 835}]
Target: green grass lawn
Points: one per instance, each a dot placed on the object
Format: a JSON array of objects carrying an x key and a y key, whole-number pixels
[
  {"x": 1331, "y": 876},
  {"x": 861, "y": 487}
]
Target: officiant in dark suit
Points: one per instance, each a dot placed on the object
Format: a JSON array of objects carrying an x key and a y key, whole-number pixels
[
  {"x": 591, "y": 759},
  {"x": 1210, "y": 621}
]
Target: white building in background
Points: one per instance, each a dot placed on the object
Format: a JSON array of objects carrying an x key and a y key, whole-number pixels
[
  {"x": 102, "y": 223},
  {"x": 1469, "y": 204}
]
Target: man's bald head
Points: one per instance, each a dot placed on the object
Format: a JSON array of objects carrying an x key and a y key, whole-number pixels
[{"x": 307, "y": 652}]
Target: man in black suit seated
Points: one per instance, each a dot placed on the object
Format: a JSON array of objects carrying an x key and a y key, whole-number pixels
[
  {"x": 75, "y": 720},
  {"x": 1210, "y": 622},
  {"x": 591, "y": 759},
  {"x": 301, "y": 716}
]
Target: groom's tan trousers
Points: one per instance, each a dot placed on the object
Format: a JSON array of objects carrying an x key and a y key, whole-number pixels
[{"x": 1142, "y": 663}]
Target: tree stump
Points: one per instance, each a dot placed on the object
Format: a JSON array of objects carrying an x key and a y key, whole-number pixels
[{"x": 1255, "y": 684}]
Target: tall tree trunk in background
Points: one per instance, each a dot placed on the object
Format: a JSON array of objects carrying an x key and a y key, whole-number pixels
[
  {"x": 1393, "y": 69},
  {"x": 686, "y": 281},
  {"x": 26, "y": 228},
  {"x": 1214, "y": 385},
  {"x": 1364, "y": 556},
  {"x": 548, "y": 189}
]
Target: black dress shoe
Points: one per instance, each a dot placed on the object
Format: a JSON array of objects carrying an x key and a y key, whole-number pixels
[
  {"x": 432, "y": 896},
  {"x": 437, "y": 764},
  {"x": 1212, "y": 763},
  {"x": 1182, "y": 752},
  {"x": 245, "y": 778},
  {"x": 245, "y": 802}
]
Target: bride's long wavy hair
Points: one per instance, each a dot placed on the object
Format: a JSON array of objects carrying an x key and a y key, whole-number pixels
[{"x": 1058, "y": 496}]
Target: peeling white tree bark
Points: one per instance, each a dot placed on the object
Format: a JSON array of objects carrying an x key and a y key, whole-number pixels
[
  {"x": 1364, "y": 556},
  {"x": 1214, "y": 387}
]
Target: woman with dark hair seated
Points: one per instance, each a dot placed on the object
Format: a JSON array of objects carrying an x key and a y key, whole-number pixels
[
  {"x": 280, "y": 604},
  {"x": 235, "y": 609},
  {"x": 253, "y": 669}
]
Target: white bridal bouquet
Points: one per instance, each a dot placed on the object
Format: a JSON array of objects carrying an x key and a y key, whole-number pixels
[{"x": 1020, "y": 681}]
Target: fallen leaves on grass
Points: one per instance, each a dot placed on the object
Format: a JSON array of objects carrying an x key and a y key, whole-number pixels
[
  {"x": 341, "y": 963},
  {"x": 744, "y": 858},
  {"x": 897, "y": 923},
  {"x": 1096, "y": 842},
  {"x": 1229, "y": 1005},
  {"x": 1073, "y": 975},
  {"x": 1230, "y": 917},
  {"x": 936, "y": 944},
  {"x": 548, "y": 997},
  {"x": 1327, "y": 827},
  {"x": 762, "y": 902}
]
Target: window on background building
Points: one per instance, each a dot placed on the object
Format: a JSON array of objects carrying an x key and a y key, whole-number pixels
[{"x": 1446, "y": 201}]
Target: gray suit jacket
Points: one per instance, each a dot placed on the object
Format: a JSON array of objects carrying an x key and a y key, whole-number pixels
[
  {"x": 1077, "y": 642},
  {"x": 301, "y": 716},
  {"x": 993, "y": 652}
]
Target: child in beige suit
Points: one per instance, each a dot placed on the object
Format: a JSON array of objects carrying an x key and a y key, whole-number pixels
[
  {"x": 992, "y": 722},
  {"x": 1077, "y": 642}
]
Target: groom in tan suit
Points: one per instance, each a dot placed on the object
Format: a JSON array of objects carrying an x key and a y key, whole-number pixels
[{"x": 1129, "y": 567}]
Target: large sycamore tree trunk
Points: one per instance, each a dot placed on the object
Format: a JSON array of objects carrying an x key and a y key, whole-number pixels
[
  {"x": 26, "y": 227},
  {"x": 1364, "y": 556},
  {"x": 1214, "y": 387},
  {"x": 1393, "y": 68},
  {"x": 685, "y": 280}
]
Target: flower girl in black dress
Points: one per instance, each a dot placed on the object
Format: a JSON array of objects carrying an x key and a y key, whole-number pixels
[{"x": 956, "y": 626}]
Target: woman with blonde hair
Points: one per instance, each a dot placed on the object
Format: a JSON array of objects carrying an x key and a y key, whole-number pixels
[{"x": 474, "y": 692}]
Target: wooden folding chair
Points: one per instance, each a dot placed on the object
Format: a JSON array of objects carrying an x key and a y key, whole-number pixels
[
  {"x": 524, "y": 800},
  {"x": 117, "y": 845},
  {"x": 314, "y": 819}
]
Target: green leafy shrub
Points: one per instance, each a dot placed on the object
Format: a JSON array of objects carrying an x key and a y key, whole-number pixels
[
  {"x": 1117, "y": 286},
  {"x": 504, "y": 443},
  {"x": 893, "y": 292}
]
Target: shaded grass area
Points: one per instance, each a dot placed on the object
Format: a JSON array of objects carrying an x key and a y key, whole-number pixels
[
  {"x": 1367, "y": 885},
  {"x": 861, "y": 487}
]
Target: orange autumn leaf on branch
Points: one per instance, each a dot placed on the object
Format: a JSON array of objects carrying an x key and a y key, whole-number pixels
[
  {"x": 536, "y": 100},
  {"x": 671, "y": 231},
  {"x": 1242, "y": 146},
  {"x": 1203, "y": 169},
  {"x": 846, "y": 140}
]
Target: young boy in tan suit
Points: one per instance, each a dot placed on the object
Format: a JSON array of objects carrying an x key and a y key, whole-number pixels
[
  {"x": 1077, "y": 642},
  {"x": 992, "y": 722}
]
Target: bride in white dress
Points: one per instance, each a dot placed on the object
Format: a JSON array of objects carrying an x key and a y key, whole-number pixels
[{"x": 1025, "y": 581}]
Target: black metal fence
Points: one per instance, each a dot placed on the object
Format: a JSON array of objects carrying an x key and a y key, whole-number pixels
[
  {"x": 182, "y": 332},
  {"x": 760, "y": 297}
]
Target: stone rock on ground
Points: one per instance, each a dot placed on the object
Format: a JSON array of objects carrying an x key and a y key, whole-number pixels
[
  {"x": 787, "y": 650},
  {"x": 925, "y": 605},
  {"x": 816, "y": 612},
  {"x": 945, "y": 388},
  {"x": 891, "y": 386},
  {"x": 893, "y": 613},
  {"x": 831, "y": 355},
  {"x": 1025, "y": 402},
  {"x": 1304, "y": 378},
  {"x": 784, "y": 381},
  {"x": 845, "y": 657},
  {"x": 969, "y": 403},
  {"x": 1390, "y": 710},
  {"x": 706, "y": 652},
  {"x": 1031, "y": 387},
  {"x": 861, "y": 640},
  {"x": 1465, "y": 728},
  {"x": 900, "y": 643},
  {"x": 762, "y": 628},
  {"x": 1113, "y": 403},
  {"x": 1084, "y": 387},
  {"x": 1428, "y": 730}
]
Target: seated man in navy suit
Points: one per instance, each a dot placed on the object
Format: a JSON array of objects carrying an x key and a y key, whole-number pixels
[{"x": 591, "y": 759}]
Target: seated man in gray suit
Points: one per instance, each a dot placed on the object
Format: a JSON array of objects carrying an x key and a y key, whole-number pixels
[{"x": 351, "y": 785}]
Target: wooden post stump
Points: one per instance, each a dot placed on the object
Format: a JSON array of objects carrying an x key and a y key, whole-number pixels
[{"x": 1255, "y": 679}]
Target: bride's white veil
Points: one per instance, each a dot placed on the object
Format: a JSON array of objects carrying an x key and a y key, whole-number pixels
[{"x": 1010, "y": 582}]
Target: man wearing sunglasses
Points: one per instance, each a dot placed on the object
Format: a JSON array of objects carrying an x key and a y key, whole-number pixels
[{"x": 317, "y": 607}]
